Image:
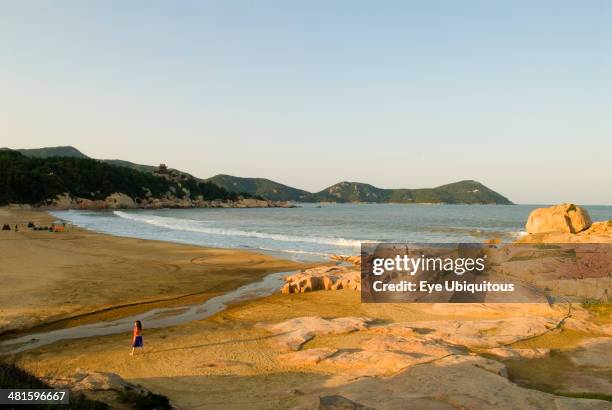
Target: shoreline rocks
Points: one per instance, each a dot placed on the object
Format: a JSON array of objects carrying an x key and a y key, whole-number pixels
[
  {"x": 323, "y": 278},
  {"x": 120, "y": 200}
]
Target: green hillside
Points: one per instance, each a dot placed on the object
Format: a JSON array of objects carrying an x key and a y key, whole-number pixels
[
  {"x": 69, "y": 151},
  {"x": 65, "y": 151},
  {"x": 35, "y": 180},
  {"x": 261, "y": 187},
  {"x": 138, "y": 167},
  {"x": 463, "y": 192},
  {"x": 352, "y": 192}
]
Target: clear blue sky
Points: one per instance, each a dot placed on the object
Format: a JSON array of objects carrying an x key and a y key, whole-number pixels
[{"x": 516, "y": 94}]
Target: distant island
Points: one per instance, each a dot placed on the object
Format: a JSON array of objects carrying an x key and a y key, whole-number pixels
[
  {"x": 463, "y": 192},
  {"x": 65, "y": 177}
]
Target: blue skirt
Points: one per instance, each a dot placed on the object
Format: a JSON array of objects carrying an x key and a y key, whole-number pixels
[{"x": 137, "y": 341}]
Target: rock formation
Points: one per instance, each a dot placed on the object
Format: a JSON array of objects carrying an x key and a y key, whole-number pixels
[
  {"x": 474, "y": 333},
  {"x": 291, "y": 334},
  {"x": 119, "y": 200},
  {"x": 90, "y": 380},
  {"x": 323, "y": 278},
  {"x": 428, "y": 364},
  {"x": 599, "y": 232},
  {"x": 567, "y": 218}
]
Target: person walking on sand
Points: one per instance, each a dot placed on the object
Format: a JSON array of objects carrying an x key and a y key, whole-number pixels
[{"x": 137, "y": 337}]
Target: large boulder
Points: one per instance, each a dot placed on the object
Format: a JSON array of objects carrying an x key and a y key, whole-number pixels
[
  {"x": 567, "y": 218},
  {"x": 119, "y": 200}
]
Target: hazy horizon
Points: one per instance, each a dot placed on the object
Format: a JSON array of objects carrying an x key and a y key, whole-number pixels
[{"x": 514, "y": 95}]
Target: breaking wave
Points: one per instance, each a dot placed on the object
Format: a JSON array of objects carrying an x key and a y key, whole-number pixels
[{"x": 189, "y": 225}]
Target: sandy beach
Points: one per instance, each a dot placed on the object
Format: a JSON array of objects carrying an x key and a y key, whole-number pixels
[
  {"x": 52, "y": 276},
  {"x": 236, "y": 359}
]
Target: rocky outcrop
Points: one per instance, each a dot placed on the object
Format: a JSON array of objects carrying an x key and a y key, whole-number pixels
[
  {"x": 323, "y": 278},
  {"x": 352, "y": 259},
  {"x": 587, "y": 326},
  {"x": 453, "y": 382},
  {"x": 90, "y": 380},
  {"x": 599, "y": 232},
  {"x": 595, "y": 352},
  {"x": 566, "y": 218},
  {"x": 514, "y": 353},
  {"x": 429, "y": 365},
  {"x": 474, "y": 333},
  {"x": 388, "y": 354},
  {"x": 120, "y": 200},
  {"x": 292, "y": 334}
]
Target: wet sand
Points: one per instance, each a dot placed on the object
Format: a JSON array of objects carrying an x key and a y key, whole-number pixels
[{"x": 50, "y": 276}]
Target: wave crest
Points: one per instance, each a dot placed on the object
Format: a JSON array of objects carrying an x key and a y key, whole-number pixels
[{"x": 188, "y": 225}]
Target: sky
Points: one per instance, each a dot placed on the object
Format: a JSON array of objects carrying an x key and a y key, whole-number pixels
[{"x": 410, "y": 94}]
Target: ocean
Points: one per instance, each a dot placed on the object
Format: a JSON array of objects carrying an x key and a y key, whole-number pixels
[{"x": 312, "y": 231}]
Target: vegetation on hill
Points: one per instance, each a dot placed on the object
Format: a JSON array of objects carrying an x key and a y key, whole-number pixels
[
  {"x": 463, "y": 192},
  {"x": 36, "y": 179},
  {"x": 47, "y": 152},
  {"x": 128, "y": 164},
  {"x": 261, "y": 187},
  {"x": 69, "y": 151}
]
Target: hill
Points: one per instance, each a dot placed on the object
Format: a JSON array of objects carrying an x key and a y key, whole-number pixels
[
  {"x": 72, "y": 152},
  {"x": 261, "y": 187},
  {"x": 462, "y": 192},
  {"x": 138, "y": 167},
  {"x": 64, "y": 151},
  {"x": 37, "y": 180}
]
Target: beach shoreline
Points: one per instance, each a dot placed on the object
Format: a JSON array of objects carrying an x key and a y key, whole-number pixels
[{"x": 52, "y": 277}]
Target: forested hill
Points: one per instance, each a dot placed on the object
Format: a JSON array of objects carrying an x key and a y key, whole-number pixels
[
  {"x": 262, "y": 187},
  {"x": 462, "y": 192},
  {"x": 35, "y": 180}
]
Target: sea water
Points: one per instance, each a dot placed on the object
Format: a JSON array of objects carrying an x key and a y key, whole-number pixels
[{"x": 312, "y": 231}]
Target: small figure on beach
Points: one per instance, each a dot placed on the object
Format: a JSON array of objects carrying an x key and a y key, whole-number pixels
[{"x": 137, "y": 337}]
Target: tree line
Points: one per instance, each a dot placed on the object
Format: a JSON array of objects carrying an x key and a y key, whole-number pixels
[{"x": 37, "y": 180}]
